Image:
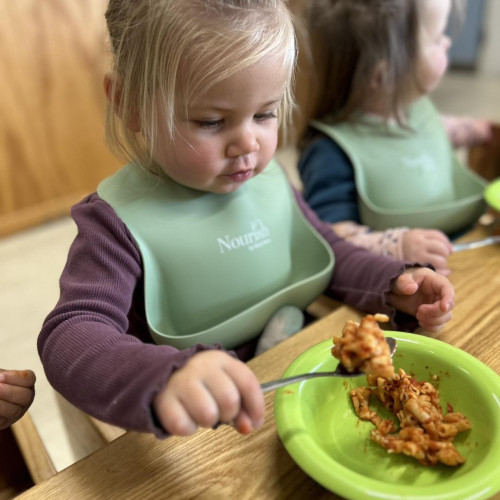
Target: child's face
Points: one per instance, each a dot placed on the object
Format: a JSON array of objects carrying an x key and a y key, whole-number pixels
[
  {"x": 230, "y": 133},
  {"x": 434, "y": 44}
]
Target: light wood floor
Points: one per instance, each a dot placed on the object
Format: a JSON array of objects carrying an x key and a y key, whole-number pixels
[{"x": 31, "y": 262}]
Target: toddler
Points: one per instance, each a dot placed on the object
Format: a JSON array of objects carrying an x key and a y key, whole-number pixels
[
  {"x": 377, "y": 157},
  {"x": 17, "y": 391},
  {"x": 187, "y": 254}
]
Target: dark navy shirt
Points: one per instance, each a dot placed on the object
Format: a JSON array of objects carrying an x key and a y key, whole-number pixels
[{"x": 328, "y": 182}]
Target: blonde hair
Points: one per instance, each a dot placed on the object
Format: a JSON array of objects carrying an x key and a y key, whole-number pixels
[{"x": 168, "y": 51}]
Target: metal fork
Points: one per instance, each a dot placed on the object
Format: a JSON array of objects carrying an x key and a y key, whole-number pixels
[
  {"x": 339, "y": 372},
  {"x": 469, "y": 245}
]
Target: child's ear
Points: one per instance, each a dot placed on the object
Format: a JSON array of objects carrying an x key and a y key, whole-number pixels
[
  {"x": 113, "y": 86},
  {"x": 378, "y": 80}
]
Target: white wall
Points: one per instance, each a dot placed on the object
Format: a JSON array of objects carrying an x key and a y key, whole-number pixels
[{"x": 489, "y": 62}]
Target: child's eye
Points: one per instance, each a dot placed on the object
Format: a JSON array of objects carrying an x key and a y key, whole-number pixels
[
  {"x": 209, "y": 124},
  {"x": 260, "y": 117}
]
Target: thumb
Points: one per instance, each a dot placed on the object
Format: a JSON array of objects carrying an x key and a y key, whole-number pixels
[{"x": 405, "y": 285}]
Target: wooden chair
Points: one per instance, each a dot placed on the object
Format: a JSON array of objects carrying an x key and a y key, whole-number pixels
[
  {"x": 33, "y": 450},
  {"x": 485, "y": 160},
  {"x": 24, "y": 460},
  {"x": 14, "y": 475}
]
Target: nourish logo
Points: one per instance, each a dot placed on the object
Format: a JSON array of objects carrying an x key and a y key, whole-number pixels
[
  {"x": 257, "y": 237},
  {"x": 424, "y": 162}
]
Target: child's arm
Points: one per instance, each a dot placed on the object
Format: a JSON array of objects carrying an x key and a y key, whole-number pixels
[
  {"x": 17, "y": 390},
  {"x": 465, "y": 131},
  {"x": 427, "y": 246},
  {"x": 327, "y": 176},
  {"x": 212, "y": 387},
  {"x": 95, "y": 346},
  {"x": 365, "y": 280}
]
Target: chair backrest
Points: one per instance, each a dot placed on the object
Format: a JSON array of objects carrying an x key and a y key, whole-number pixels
[{"x": 485, "y": 159}]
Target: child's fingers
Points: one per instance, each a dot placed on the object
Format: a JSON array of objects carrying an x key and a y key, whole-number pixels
[
  {"x": 252, "y": 398},
  {"x": 431, "y": 318},
  {"x": 443, "y": 290},
  {"x": 405, "y": 285},
  {"x": 212, "y": 388},
  {"x": 447, "y": 303},
  {"x": 200, "y": 404},
  {"x": 174, "y": 417},
  {"x": 17, "y": 395},
  {"x": 441, "y": 238},
  {"x": 203, "y": 403},
  {"x": 420, "y": 286},
  {"x": 438, "y": 247},
  {"x": 242, "y": 423},
  {"x": 226, "y": 395},
  {"x": 22, "y": 378},
  {"x": 10, "y": 413}
]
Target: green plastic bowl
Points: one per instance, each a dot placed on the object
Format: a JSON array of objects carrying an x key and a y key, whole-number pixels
[
  {"x": 319, "y": 429},
  {"x": 492, "y": 194}
]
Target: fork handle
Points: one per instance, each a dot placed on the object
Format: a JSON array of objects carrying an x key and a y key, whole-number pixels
[
  {"x": 281, "y": 382},
  {"x": 469, "y": 245}
]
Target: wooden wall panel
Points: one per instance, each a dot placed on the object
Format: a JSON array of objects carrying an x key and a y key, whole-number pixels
[{"x": 53, "y": 55}]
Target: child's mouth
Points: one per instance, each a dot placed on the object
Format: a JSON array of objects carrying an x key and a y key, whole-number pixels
[{"x": 241, "y": 175}]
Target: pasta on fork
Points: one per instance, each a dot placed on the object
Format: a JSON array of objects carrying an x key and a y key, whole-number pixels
[{"x": 363, "y": 347}]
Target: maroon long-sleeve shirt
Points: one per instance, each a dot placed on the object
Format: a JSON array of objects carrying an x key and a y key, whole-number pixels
[{"x": 95, "y": 345}]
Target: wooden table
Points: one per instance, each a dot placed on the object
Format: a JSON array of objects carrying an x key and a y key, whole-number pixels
[
  {"x": 223, "y": 464},
  {"x": 475, "y": 326}
]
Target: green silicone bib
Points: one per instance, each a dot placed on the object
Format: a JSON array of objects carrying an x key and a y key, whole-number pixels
[
  {"x": 409, "y": 177},
  {"x": 218, "y": 266}
]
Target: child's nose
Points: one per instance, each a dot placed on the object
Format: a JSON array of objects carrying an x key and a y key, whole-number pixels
[
  {"x": 447, "y": 42},
  {"x": 243, "y": 142}
]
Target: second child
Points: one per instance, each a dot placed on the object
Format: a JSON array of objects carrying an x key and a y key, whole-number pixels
[{"x": 377, "y": 161}]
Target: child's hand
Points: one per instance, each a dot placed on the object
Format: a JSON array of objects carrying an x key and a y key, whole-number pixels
[
  {"x": 427, "y": 246},
  {"x": 483, "y": 131},
  {"x": 466, "y": 132},
  {"x": 17, "y": 391},
  {"x": 426, "y": 295},
  {"x": 212, "y": 387}
]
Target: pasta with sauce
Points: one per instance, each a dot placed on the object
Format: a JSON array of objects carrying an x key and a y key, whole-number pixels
[{"x": 425, "y": 432}]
